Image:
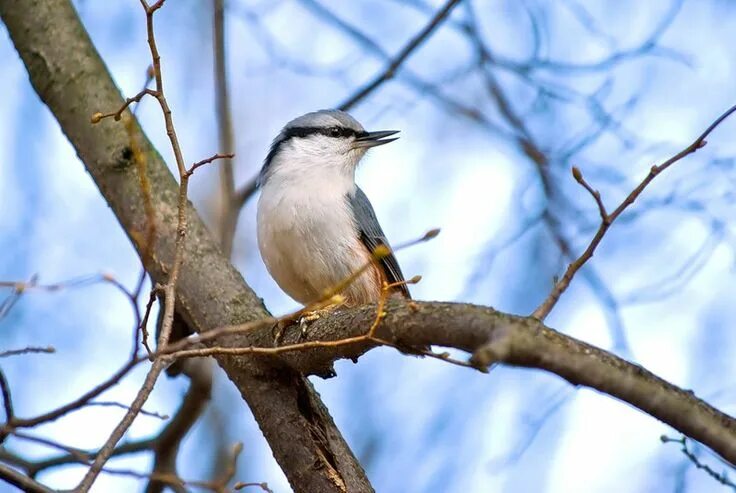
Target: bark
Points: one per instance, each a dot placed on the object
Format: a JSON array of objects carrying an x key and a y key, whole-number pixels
[
  {"x": 495, "y": 337},
  {"x": 67, "y": 73},
  {"x": 21, "y": 481}
]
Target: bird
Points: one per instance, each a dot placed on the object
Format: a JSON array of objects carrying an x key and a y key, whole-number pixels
[{"x": 315, "y": 226}]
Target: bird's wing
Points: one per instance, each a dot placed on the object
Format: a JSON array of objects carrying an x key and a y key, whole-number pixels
[{"x": 372, "y": 236}]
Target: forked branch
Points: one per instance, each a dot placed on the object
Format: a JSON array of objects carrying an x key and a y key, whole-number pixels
[{"x": 607, "y": 220}]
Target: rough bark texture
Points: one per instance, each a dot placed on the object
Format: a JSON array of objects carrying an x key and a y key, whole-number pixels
[
  {"x": 69, "y": 76},
  {"x": 495, "y": 337}
]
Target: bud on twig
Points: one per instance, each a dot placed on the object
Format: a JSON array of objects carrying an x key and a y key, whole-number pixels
[{"x": 577, "y": 174}]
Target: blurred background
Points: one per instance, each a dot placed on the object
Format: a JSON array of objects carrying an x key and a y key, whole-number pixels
[{"x": 493, "y": 109}]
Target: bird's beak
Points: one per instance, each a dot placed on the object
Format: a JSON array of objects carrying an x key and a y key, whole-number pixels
[{"x": 373, "y": 139}]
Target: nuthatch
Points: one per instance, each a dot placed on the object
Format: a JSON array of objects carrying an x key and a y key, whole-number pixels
[{"x": 315, "y": 225}]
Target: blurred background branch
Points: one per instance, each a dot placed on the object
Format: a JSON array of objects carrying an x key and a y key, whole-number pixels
[{"x": 230, "y": 203}]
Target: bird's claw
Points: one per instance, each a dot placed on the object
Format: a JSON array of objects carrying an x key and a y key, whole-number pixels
[
  {"x": 303, "y": 320},
  {"x": 308, "y": 317},
  {"x": 278, "y": 329}
]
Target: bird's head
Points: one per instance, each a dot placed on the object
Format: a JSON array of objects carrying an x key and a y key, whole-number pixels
[{"x": 321, "y": 142}]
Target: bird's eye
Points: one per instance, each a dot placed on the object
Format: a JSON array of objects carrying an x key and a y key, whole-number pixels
[{"x": 335, "y": 132}]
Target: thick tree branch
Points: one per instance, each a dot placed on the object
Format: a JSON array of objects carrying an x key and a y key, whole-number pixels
[
  {"x": 72, "y": 80},
  {"x": 495, "y": 337}
]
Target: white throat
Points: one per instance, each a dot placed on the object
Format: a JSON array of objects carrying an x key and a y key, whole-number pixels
[{"x": 314, "y": 164}]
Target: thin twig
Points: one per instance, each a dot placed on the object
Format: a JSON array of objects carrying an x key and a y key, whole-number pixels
[
  {"x": 33, "y": 468},
  {"x": 389, "y": 72},
  {"x": 23, "y": 286},
  {"x": 578, "y": 175},
  {"x": 444, "y": 356},
  {"x": 108, "y": 448},
  {"x": 15, "y": 422},
  {"x": 170, "y": 288},
  {"x": 166, "y": 446},
  {"x": 133, "y": 447},
  {"x": 116, "y": 115},
  {"x": 239, "y": 351},
  {"x": 172, "y": 481},
  {"x": 21, "y": 481},
  {"x": 562, "y": 284},
  {"x": 7, "y": 401},
  {"x": 432, "y": 90},
  {"x": 263, "y": 486},
  {"x": 77, "y": 282},
  {"x": 132, "y": 298},
  {"x": 18, "y": 290},
  {"x": 120, "y": 405},
  {"x": 215, "y": 157},
  {"x": 77, "y": 403},
  {"x": 27, "y": 350},
  {"x": 79, "y": 454},
  {"x": 380, "y": 313},
  {"x": 197, "y": 339},
  {"x": 720, "y": 477},
  {"x": 379, "y": 253},
  {"x": 143, "y": 328}
]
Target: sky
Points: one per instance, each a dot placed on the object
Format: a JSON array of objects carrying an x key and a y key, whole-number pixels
[{"x": 417, "y": 425}]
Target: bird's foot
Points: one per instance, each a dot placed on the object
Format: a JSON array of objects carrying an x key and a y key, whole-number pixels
[
  {"x": 278, "y": 329},
  {"x": 307, "y": 317},
  {"x": 303, "y": 318}
]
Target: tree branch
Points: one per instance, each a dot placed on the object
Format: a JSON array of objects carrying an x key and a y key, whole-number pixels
[
  {"x": 495, "y": 337},
  {"x": 27, "y": 350},
  {"x": 229, "y": 210},
  {"x": 607, "y": 220},
  {"x": 414, "y": 43},
  {"x": 720, "y": 477},
  {"x": 21, "y": 481},
  {"x": 166, "y": 445}
]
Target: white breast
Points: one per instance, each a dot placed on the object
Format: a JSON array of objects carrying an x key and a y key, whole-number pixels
[{"x": 308, "y": 239}]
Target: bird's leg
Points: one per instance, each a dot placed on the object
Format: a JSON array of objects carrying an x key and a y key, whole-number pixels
[
  {"x": 303, "y": 317},
  {"x": 309, "y": 316}
]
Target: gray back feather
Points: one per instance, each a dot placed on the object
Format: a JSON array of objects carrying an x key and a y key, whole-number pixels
[{"x": 373, "y": 236}]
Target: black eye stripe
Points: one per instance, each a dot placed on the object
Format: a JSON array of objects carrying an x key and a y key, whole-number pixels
[
  {"x": 326, "y": 131},
  {"x": 304, "y": 132}
]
